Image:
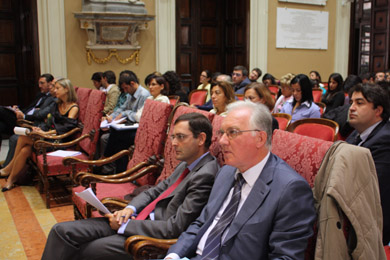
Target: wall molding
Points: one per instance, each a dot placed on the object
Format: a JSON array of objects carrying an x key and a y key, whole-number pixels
[{"x": 51, "y": 33}]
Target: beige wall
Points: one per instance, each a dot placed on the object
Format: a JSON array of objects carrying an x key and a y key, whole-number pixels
[
  {"x": 283, "y": 61},
  {"x": 80, "y": 72}
]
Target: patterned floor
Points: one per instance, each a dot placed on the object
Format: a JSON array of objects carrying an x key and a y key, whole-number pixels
[{"x": 26, "y": 222}]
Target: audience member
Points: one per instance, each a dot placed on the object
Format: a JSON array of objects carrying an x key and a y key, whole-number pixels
[
  {"x": 380, "y": 76},
  {"x": 349, "y": 82},
  {"x": 240, "y": 79},
  {"x": 217, "y": 76},
  {"x": 257, "y": 92},
  {"x": 170, "y": 209},
  {"x": 174, "y": 85},
  {"x": 205, "y": 79},
  {"x": 255, "y": 74},
  {"x": 367, "y": 77},
  {"x": 334, "y": 96},
  {"x": 97, "y": 80},
  {"x": 221, "y": 95},
  {"x": 112, "y": 91},
  {"x": 387, "y": 75},
  {"x": 315, "y": 75},
  {"x": 369, "y": 115},
  {"x": 285, "y": 83},
  {"x": 65, "y": 115},
  {"x": 9, "y": 115},
  {"x": 268, "y": 80},
  {"x": 302, "y": 105},
  {"x": 259, "y": 208}
]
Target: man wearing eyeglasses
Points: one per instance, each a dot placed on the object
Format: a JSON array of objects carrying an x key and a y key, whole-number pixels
[
  {"x": 240, "y": 79},
  {"x": 163, "y": 211},
  {"x": 259, "y": 208}
]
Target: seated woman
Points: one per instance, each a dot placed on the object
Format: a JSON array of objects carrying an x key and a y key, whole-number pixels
[
  {"x": 65, "y": 114},
  {"x": 221, "y": 95},
  {"x": 269, "y": 80},
  {"x": 205, "y": 79},
  {"x": 302, "y": 105},
  {"x": 334, "y": 96},
  {"x": 285, "y": 83},
  {"x": 258, "y": 93}
]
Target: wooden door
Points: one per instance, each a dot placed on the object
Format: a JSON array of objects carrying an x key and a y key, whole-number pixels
[
  {"x": 210, "y": 34},
  {"x": 19, "y": 52}
]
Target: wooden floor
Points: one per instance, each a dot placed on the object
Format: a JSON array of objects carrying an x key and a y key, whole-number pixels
[{"x": 26, "y": 222}]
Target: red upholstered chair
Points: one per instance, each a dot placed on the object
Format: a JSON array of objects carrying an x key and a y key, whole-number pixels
[
  {"x": 274, "y": 89},
  {"x": 322, "y": 107},
  {"x": 274, "y": 95},
  {"x": 49, "y": 166},
  {"x": 283, "y": 120},
  {"x": 149, "y": 141},
  {"x": 173, "y": 100},
  {"x": 198, "y": 97},
  {"x": 215, "y": 148},
  {"x": 82, "y": 101},
  {"x": 240, "y": 96},
  {"x": 387, "y": 251},
  {"x": 317, "y": 94},
  {"x": 321, "y": 128}
]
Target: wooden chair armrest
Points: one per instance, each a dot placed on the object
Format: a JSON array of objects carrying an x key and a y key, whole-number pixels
[
  {"x": 114, "y": 204},
  {"x": 74, "y": 160},
  {"x": 143, "y": 247},
  {"x": 24, "y": 123},
  {"x": 40, "y": 144},
  {"x": 55, "y": 136},
  {"x": 87, "y": 178}
]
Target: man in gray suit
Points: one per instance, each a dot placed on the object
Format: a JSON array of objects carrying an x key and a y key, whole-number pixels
[
  {"x": 268, "y": 214},
  {"x": 101, "y": 238}
]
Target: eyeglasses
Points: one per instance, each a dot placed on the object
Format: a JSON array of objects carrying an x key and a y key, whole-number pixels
[
  {"x": 236, "y": 74},
  {"x": 233, "y": 133},
  {"x": 179, "y": 137}
]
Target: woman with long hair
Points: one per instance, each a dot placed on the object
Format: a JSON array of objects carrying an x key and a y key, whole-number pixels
[
  {"x": 221, "y": 95},
  {"x": 303, "y": 105},
  {"x": 64, "y": 118},
  {"x": 205, "y": 80},
  {"x": 334, "y": 96}
]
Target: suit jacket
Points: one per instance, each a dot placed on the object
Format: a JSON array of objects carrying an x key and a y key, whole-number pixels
[
  {"x": 240, "y": 88},
  {"x": 276, "y": 219},
  {"x": 41, "y": 114},
  {"x": 176, "y": 212},
  {"x": 33, "y": 104},
  {"x": 111, "y": 99},
  {"x": 379, "y": 144}
]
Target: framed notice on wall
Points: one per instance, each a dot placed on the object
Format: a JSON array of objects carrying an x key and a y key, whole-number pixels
[
  {"x": 301, "y": 29},
  {"x": 308, "y": 2}
]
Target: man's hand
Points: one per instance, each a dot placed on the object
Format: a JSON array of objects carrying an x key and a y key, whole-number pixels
[
  {"x": 19, "y": 114},
  {"x": 113, "y": 223},
  {"x": 123, "y": 215},
  {"x": 109, "y": 119}
]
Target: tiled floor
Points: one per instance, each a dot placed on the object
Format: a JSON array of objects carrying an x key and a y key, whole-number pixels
[{"x": 25, "y": 220}]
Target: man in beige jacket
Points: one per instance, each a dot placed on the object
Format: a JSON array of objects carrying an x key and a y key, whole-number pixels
[{"x": 112, "y": 91}]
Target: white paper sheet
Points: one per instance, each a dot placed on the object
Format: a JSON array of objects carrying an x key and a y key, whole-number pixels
[
  {"x": 91, "y": 198},
  {"x": 62, "y": 153},
  {"x": 21, "y": 130},
  {"x": 124, "y": 127},
  {"x": 106, "y": 124}
]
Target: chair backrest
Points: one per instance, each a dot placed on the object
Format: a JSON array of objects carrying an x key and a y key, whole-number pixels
[
  {"x": 322, "y": 107},
  {"x": 304, "y": 154},
  {"x": 283, "y": 120},
  {"x": 240, "y": 96},
  {"x": 151, "y": 135},
  {"x": 317, "y": 94},
  {"x": 173, "y": 99},
  {"x": 198, "y": 97},
  {"x": 215, "y": 148},
  {"x": 274, "y": 95},
  {"x": 92, "y": 117},
  {"x": 82, "y": 101},
  {"x": 321, "y": 128},
  {"x": 170, "y": 161},
  {"x": 274, "y": 89}
]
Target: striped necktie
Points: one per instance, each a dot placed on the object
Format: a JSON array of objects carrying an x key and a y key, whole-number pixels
[{"x": 213, "y": 242}]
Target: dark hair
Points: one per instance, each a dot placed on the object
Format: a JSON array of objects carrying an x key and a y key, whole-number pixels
[
  {"x": 306, "y": 89},
  {"x": 374, "y": 94},
  {"x": 317, "y": 74},
  {"x": 242, "y": 68},
  {"x": 149, "y": 77},
  {"x": 126, "y": 78},
  {"x": 314, "y": 83},
  {"x": 367, "y": 76},
  {"x": 259, "y": 72},
  {"x": 173, "y": 80},
  {"x": 208, "y": 73},
  {"x": 263, "y": 92},
  {"x": 130, "y": 73},
  {"x": 47, "y": 76},
  {"x": 198, "y": 123},
  {"x": 110, "y": 76},
  {"x": 97, "y": 76},
  {"x": 351, "y": 81},
  {"x": 269, "y": 76},
  {"x": 227, "y": 90}
]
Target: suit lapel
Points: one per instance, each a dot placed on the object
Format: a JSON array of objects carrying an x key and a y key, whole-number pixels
[
  {"x": 254, "y": 200},
  {"x": 373, "y": 132}
]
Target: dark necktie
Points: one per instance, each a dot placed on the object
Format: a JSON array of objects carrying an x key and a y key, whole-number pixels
[
  {"x": 213, "y": 242},
  {"x": 357, "y": 140},
  {"x": 148, "y": 209}
]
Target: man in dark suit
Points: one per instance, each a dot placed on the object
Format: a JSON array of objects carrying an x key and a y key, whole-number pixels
[
  {"x": 369, "y": 114},
  {"x": 259, "y": 208},
  {"x": 8, "y": 117},
  {"x": 240, "y": 79},
  {"x": 101, "y": 238}
]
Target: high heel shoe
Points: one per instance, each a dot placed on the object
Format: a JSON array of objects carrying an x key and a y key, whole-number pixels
[
  {"x": 4, "y": 189},
  {"x": 3, "y": 174}
]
